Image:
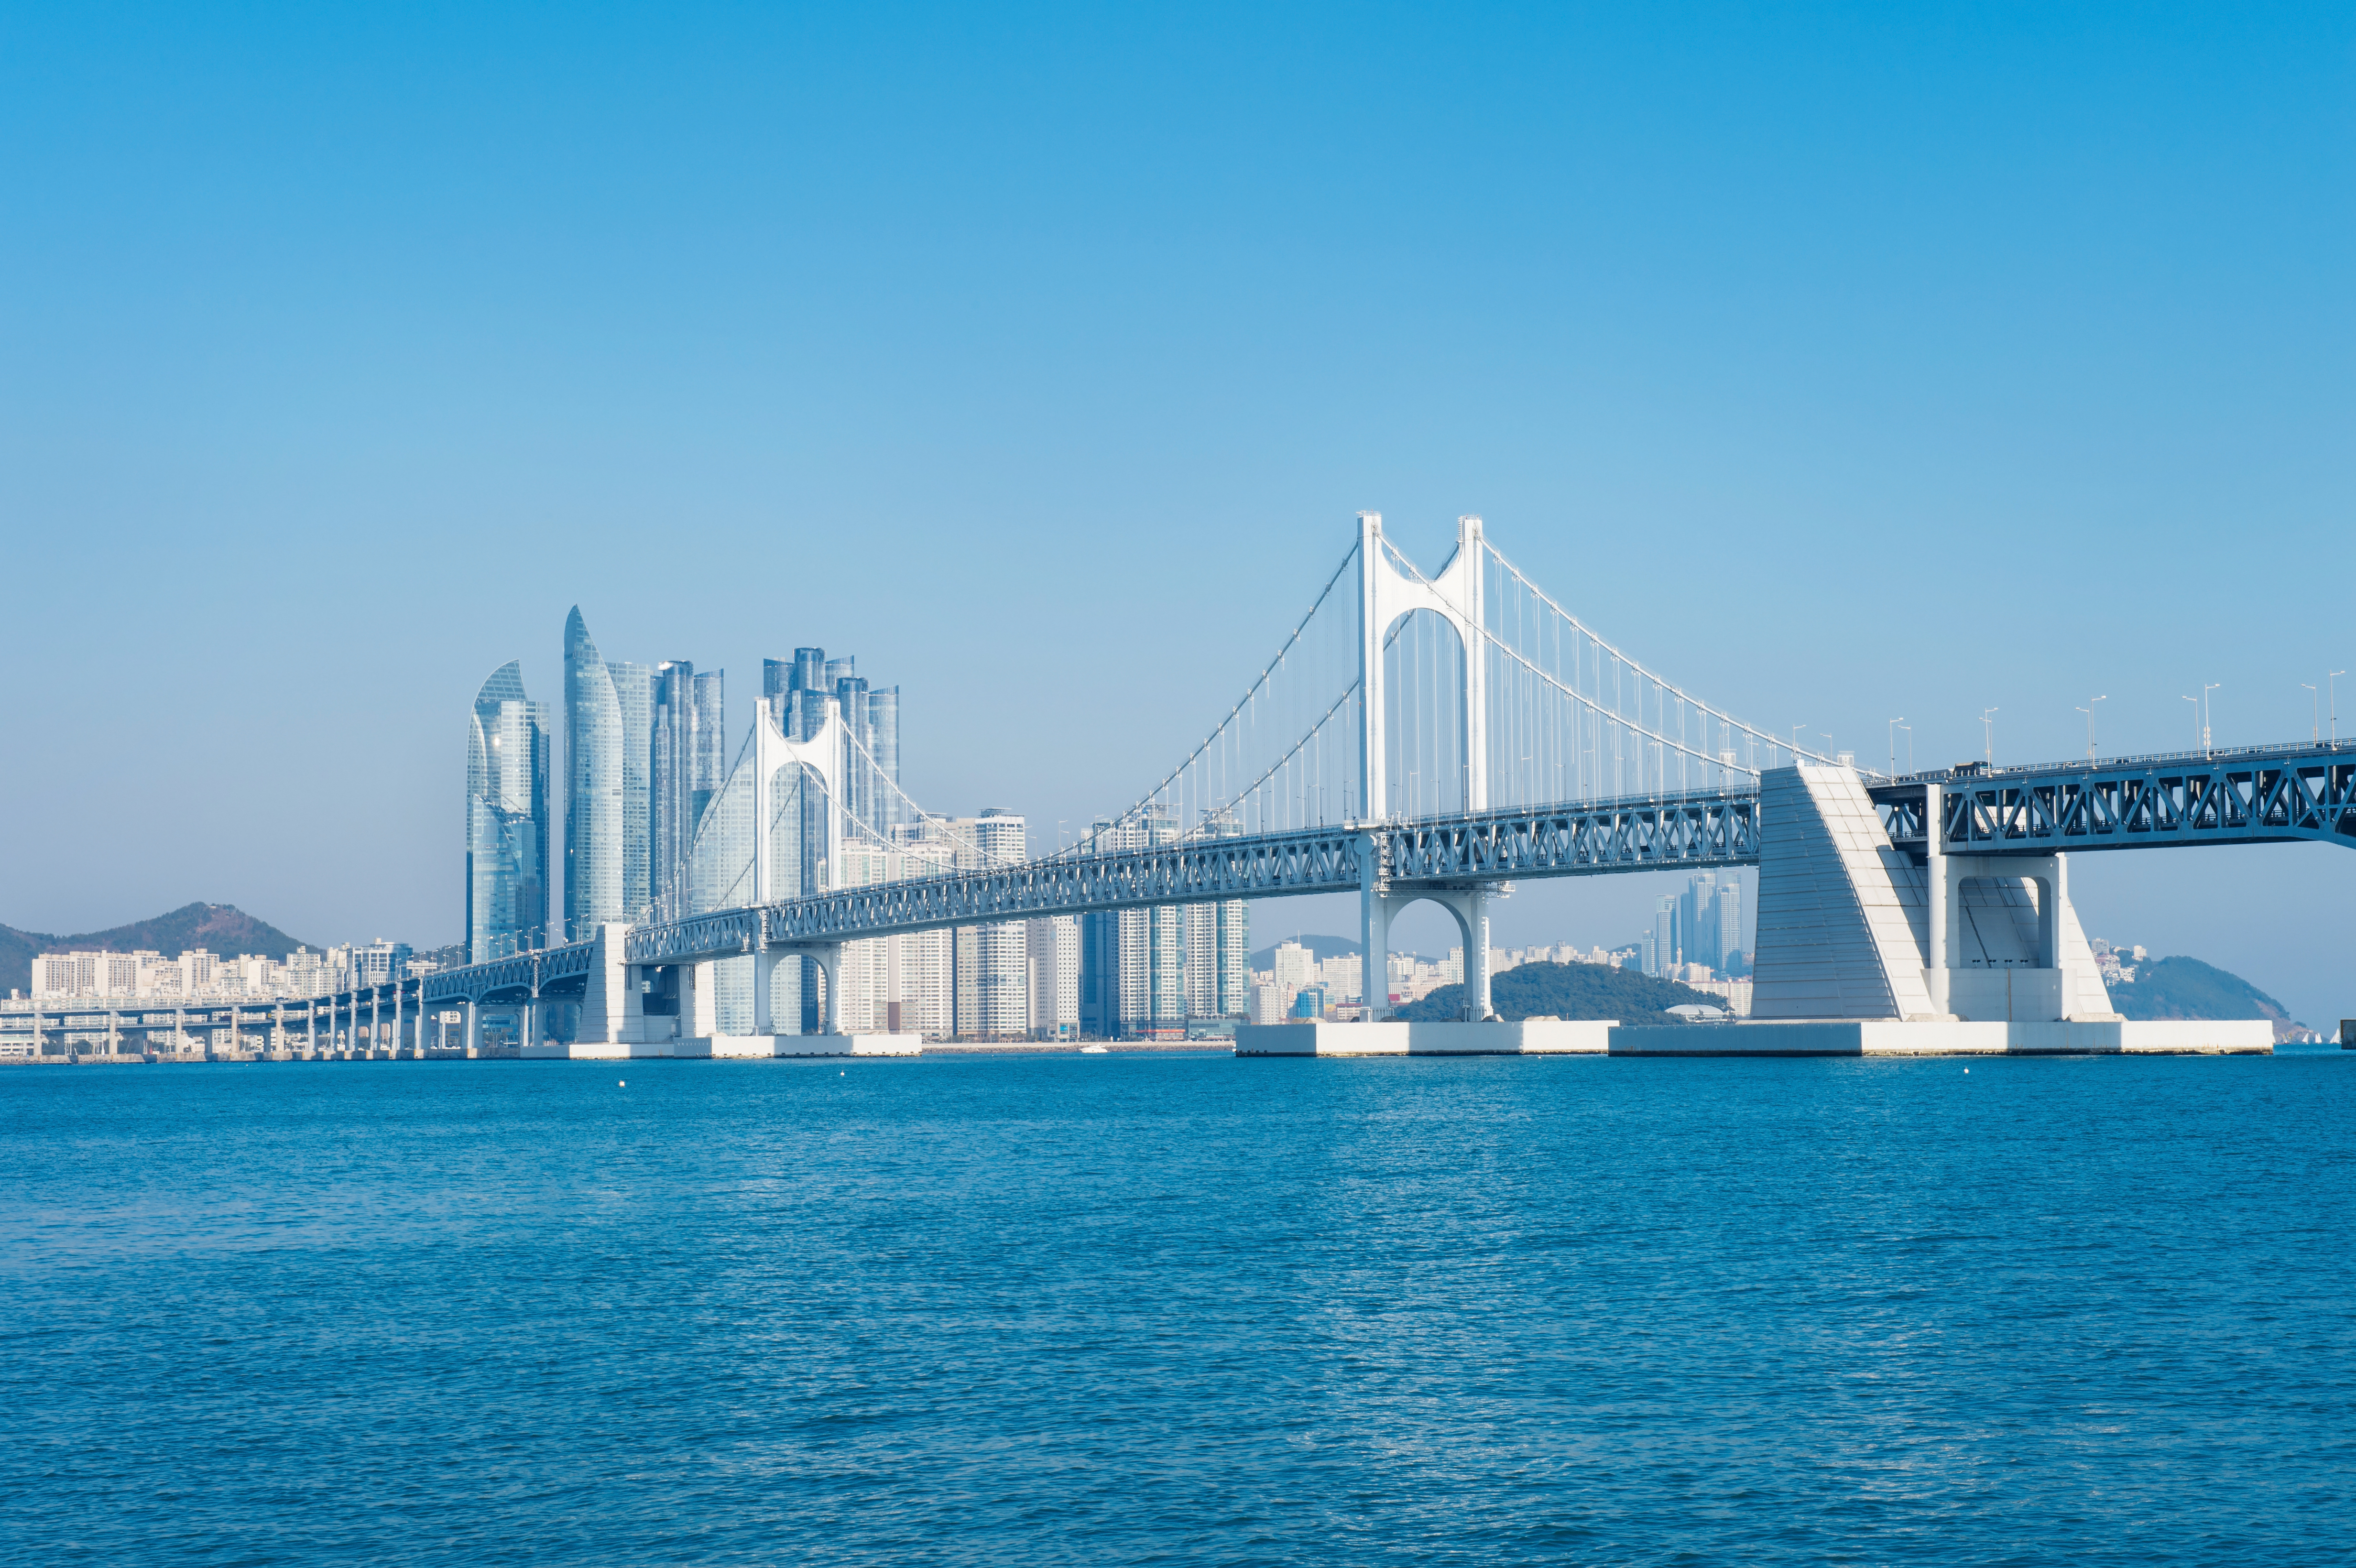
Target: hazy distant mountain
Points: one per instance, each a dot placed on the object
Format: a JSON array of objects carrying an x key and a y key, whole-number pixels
[
  {"x": 2183, "y": 987},
  {"x": 217, "y": 928},
  {"x": 1320, "y": 948}
]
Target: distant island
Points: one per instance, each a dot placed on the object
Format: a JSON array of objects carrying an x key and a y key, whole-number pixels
[
  {"x": 2183, "y": 987},
  {"x": 1567, "y": 991},
  {"x": 2178, "y": 987},
  {"x": 215, "y": 928}
]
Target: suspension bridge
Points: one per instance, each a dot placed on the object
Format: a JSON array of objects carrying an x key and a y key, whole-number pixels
[{"x": 1441, "y": 738}]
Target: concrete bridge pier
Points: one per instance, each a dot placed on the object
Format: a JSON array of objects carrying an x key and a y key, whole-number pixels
[
  {"x": 1468, "y": 903},
  {"x": 2003, "y": 943}
]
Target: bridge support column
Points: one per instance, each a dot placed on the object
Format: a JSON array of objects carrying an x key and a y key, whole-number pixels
[
  {"x": 699, "y": 1001},
  {"x": 1375, "y": 916},
  {"x": 474, "y": 1027},
  {"x": 765, "y": 980},
  {"x": 1469, "y": 904},
  {"x": 1475, "y": 918},
  {"x": 830, "y": 963}
]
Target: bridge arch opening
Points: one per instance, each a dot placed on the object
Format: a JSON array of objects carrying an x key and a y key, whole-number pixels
[
  {"x": 1998, "y": 920},
  {"x": 1424, "y": 734}
]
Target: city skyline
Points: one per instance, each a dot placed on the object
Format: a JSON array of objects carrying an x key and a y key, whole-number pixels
[{"x": 969, "y": 400}]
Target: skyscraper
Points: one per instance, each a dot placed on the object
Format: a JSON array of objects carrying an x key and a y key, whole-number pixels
[
  {"x": 593, "y": 785},
  {"x": 506, "y": 818},
  {"x": 1664, "y": 935},
  {"x": 634, "y": 694},
  {"x": 1696, "y": 933},
  {"x": 688, "y": 768},
  {"x": 1730, "y": 957},
  {"x": 871, "y": 721}
]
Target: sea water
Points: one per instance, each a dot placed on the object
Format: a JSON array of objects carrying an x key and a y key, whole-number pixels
[{"x": 1150, "y": 1308}]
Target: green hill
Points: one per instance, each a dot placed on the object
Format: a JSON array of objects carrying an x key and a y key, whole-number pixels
[
  {"x": 216, "y": 928},
  {"x": 2183, "y": 987},
  {"x": 1567, "y": 991}
]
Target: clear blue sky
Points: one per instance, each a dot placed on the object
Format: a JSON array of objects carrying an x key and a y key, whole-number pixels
[{"x": 1842, "y": 363}]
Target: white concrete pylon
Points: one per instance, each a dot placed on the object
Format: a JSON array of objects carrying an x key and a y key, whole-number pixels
[{"x": 1387, "y": 593}]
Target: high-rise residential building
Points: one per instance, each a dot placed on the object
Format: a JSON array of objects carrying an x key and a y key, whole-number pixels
[
  {"x": 993, "y": 979},
  {"x": 379, "y": 963},
  {"x": 634, "y": 692},
  {"x": 593, "y": 785},
  {"x": 1731, "y": 959},
  {"x": 1696, "y": 926},
  {"x": 1054, "y": 957},
  {"x": 900, "y": 984},
  {"x": 884, "y": 747},
  {"x": 689, "y": 766},
  {"x": 506, "y": 818},
  {"x": 1132, "y": 961},
  {"x": 1217, "y": 945},
  {"x": 1661, "y": 941}
]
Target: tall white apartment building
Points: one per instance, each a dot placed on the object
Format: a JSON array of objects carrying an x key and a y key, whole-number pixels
[
  {"x": 991, "y": 986},
  {"x": 1132, "y": 961},
  {"x": 1343, "y": 976},
  {"x": 902, "y": 983},
  {"x": 1054, "y": 953}
]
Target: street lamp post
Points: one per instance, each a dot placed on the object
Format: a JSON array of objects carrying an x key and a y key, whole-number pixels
[
  {"x": 2314, "y": 713},
  {"x": 2208, "y": 711},
  {"x": 2334, "y": 680},
  {"x": 1893, "y": 743},
  {"x": 2089, "y": 711},
  {"x": 1987, "y": 734},
  {"x": 2196, "y": 721}
]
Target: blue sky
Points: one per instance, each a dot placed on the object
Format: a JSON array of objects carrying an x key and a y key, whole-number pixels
[{"x": 1841, "y": 363}]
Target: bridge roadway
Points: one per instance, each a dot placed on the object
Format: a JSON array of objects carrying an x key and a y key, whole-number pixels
[
  {"x": 2255, "y": 794},
  {"x": 357, "y": 1021},
  {"x": 1650, "y": 834}
]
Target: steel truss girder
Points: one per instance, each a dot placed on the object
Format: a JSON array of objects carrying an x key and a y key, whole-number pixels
[
  {"x": 513, "y": 979},
  {"x": 2284, "y": 794},
  {"x": 1716, "y": 829},
  {"x": 1611, "y": 835}
]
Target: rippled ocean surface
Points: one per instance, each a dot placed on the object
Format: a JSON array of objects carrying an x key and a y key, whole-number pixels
[{"x": 1137, "y": 1308}]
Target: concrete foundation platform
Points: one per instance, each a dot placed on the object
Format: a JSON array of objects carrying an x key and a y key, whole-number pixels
[
  {"x": 745, "y": 1047},
  {"x": 1891, "y": 1036},
  {"x": 730, "y": 1047},
  {"x": 1315, "y": 1037},
  {"x": 1544, "y": 1037}
]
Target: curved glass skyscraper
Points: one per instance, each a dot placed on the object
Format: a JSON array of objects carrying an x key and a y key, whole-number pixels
[
  {"x": 593, "y": 785},
  {"x": 608, "y": 767},
  {"x": 506, "y": 818}
]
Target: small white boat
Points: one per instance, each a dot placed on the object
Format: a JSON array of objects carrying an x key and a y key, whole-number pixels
[{"x": 1092, "y": 1051}]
